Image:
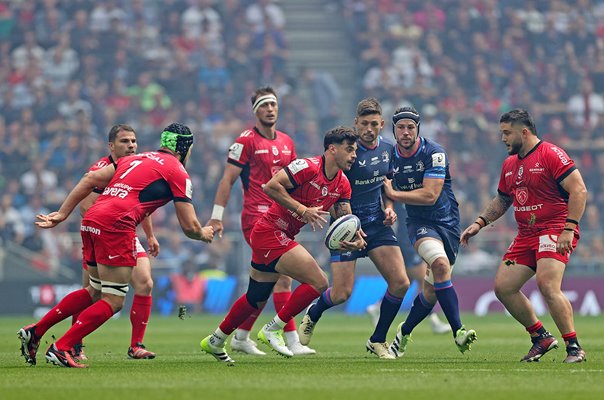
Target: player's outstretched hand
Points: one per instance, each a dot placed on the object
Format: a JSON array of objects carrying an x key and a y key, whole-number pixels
[
  {"x": 49, "y": 220},
  {"x": 207, "y": 234},
  {"x": 390, "y": 216},
  {"x": 315, "y": 216},
  {"x": 469, "y": 232},
  {"x": 217, "y": 225},
  {"x": 358, "y": 244}
]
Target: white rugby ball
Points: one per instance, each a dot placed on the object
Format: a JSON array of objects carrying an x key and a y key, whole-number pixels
[{"x": 342, "y": 229}]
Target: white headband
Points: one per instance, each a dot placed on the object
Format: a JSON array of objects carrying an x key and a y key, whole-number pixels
[{"x": 263, "y": 99}]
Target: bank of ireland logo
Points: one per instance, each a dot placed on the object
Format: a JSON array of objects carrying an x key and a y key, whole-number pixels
[
  {"x": 522, "y": 195},
  {"x": 324, "y": 191}
]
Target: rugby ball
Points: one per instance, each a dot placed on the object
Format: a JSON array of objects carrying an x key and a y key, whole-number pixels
[{"x": 342, "y": 229}]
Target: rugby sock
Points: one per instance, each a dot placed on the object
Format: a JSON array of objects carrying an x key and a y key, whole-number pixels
[
  {"x": 324, "y": 303},
  {"x": 90, "y": 319},
  {"x": 139, "y": 316},
  {"x": 536, "y": 330},
  {"x": 419, "y": 311},
  {"x": 300, "y": 299},
  {"x": 239, "y": 312},
  {"x": 388, "y": 310},
  {"x": 249, "y": 323},
  {"x": 280, "y": 299},
  {"x": 71, "y": 304},
  {"x": 447, "y": 298},
  {"x": 570, "y": 338},
  {"x": 275, "y": 324}
]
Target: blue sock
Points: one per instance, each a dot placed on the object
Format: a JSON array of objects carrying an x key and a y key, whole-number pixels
[
  {"x": 419, "y": 311},
  {"x": 324, "y": 303},
  {"x": 447, "y": 298},
  {"x": 388, "y": 310}
]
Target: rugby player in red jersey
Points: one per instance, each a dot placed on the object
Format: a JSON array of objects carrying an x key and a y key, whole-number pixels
[
  {"x": 302, "y": 194},
  {"x": 134, "y": 188},
  {"x": 122, "y": 142},
  {"x": 257, "y": 155},
  {"x": 548, "y": 194}
]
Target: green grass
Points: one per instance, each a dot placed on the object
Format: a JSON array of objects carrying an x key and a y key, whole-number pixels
[{"x": 431, "y": 369}]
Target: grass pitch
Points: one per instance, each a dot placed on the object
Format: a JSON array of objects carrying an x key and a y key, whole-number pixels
[{"x": 432, "y": 367}]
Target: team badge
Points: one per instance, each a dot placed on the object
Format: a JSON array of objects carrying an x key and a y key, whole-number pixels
[
  {"x": 522, "y": 195},
  {"x": 520, "y": 172},
  {"x": 324, "y": 191},
  {"x": 385, "y": 157},
  {"x": 275, "y": 151},
  {"x": 419, "y": 167}
]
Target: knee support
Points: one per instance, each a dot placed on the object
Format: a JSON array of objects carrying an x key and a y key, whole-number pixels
[
  {"x": 116, "y": 289},
  {"x": 431, "y": 250},
  {"x": 258, "y": 292},
  {"x": 95, "y": 283}
]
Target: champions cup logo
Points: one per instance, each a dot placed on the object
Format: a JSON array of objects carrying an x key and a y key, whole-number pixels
[
  {"x": 324, "y": 191},
  {"x": 522, "y": 195}
]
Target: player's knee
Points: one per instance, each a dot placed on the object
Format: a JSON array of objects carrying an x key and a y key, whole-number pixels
[
  {"x": 284, "y": 284},
  {"x": 319, "y": 282},
  {"x": 441, "y": 270},
  {"x": 502, "y": 291},
  {"x": 548, "y": 289},
  {"x": 143, "y": 287},
  {"x": 258, "y": 292},
  {"x": 339, "y": 295},
  {"x": 399, "y": 286}
]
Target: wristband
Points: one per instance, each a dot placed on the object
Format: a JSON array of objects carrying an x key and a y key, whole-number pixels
[
  {"x": 486, "y": 222},
  {"x": 476, "y": 222},
  {"x": 569, "y": 229},
  {"x": 301, "y": 213},
  {"x": 572, "y": 221},
  {"x": 217, "y": 212}
]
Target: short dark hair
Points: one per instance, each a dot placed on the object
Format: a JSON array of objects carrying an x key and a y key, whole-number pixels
[
  {"x": 518, "y": 116},
  {"x": 261, "y": 92},
  {"x": 369, "y": 106},
  {"x": 115, "y": 129},
  {"x": 339, "y": 135}
]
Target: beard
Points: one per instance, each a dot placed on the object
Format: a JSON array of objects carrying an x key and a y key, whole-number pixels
[{"x": 267, "y": 124}]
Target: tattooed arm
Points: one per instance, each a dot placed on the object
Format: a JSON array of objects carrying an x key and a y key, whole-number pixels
[
  {"x": 493, "y": 211},
  {"x": 340, "y": 209}
]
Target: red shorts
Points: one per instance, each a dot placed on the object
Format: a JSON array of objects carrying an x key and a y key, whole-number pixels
[
  {"x": 268, "y": 244},
  {"x": 248, "y": 221},
  {"x": 526, "y": 250},
  {"x": 116, "y": 249},
  {"x": 140, "y": 253}
]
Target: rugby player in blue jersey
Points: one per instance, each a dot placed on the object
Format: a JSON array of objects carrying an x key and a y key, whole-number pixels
[
  {"x": 373, "y": 163},
  {"x": 422, "y": 182}
]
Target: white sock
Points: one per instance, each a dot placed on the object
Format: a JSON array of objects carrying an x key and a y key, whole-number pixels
[
  {"x": 275, "y": 324},
  {"x": 291, "y": 337},
  {"x": 218, "y": 338},
  {"x": 242, "y": 334}
]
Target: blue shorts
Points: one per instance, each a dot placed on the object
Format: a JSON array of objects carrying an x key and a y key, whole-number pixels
[
  {"x": 418, "y": 229},
  {"x": 378, "y": 235}
]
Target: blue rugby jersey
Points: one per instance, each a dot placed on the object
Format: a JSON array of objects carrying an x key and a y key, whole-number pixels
[
  {"x": 430, "y": 161},
  {"x": 367, "y": 178}
]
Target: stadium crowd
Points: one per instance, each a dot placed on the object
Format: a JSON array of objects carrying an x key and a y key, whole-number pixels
[{"x": 69, "y": 70}]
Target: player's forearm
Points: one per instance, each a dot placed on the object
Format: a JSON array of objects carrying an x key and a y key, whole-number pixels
[
  {"x": 223, "y": 192},
  {"x": 147, "y": 225},
  {"x": 496, "y": 208},
  {"x": 79, "y": 193},
  {"x": 576, "y": 204},
  {"x": 279, "y": 194},
  {"x": 417, "y": 197}
]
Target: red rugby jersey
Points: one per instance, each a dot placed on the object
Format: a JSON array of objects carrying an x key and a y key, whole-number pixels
[{"x": 533, "y": 182}]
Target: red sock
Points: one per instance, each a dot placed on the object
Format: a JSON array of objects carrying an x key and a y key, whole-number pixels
[
  {"x": 280, "y": 299},
  {"x": 90, "y": 319},
  {"x": 71, "y": 304},
  {"x": 249, "y": 322},
  {"x": 300, "y": 299},
  {"x": 139, "y": 316},
  {"x": 239, "y": 312}
]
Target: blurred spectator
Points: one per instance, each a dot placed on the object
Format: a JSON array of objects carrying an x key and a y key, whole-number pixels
[
  {"x": 324, "y": 96},
  {"x": 259, "y": 12}
]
